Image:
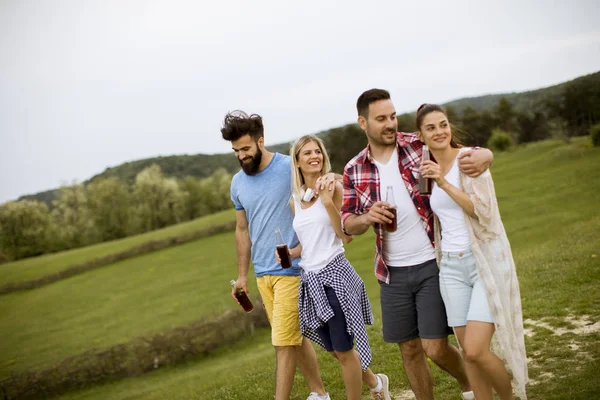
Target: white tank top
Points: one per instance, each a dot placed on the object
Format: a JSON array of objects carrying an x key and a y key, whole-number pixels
[
  {"x": 455, "y": 236},
  {"x": 320, "y": 243}
]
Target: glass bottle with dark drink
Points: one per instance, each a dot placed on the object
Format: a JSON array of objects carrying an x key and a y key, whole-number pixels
[
  {"x": 282, "y": 250},
  {"x": 389, "y": 198},
  {"x": 425, "y": 183},
  {"x": 242, "y": 298}
]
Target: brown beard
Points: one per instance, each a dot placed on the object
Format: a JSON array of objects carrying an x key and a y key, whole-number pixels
[{"x": 251, "y": 168}]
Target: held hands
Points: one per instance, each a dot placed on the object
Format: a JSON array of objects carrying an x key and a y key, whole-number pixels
[
  {"x": 241, "y": 283},
  {"x": 326, "y": 195},
  {"x": 379, "y": 213},
  {"x": 326, "y": 181},
  {"x": 432, "y": 170}
]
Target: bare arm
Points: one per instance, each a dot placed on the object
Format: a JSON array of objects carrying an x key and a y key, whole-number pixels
[
  {"x": 243, "y": 246},
  {"x": 378, "y": 214},
  {"x": 296, "y": 252},
  {"x": 475, "y": 162},
  {"x": 332, "y": 204},
  {"x": 433, "y": 170}
]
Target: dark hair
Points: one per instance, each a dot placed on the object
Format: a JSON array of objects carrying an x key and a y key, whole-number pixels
[
  {"x": 237, "y": 124},
  {"x": 368, "y": 97},
  {"x": 425, "y": 109}
]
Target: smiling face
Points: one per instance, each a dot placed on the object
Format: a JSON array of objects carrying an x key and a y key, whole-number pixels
[
  {"x": 381, "y": 124},
  {"x": 310, "y": 158},
  {"x": 435, "y": 130},
  {"x": 249, "y": 153}
]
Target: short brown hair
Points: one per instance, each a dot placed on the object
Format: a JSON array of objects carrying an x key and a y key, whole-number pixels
[{"x": 368, "y": 97}]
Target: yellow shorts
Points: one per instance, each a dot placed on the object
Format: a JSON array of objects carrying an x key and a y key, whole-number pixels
[{"x": 280, "y": 298}]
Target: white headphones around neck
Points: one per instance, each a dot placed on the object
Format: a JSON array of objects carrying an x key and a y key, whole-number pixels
[{"x": 308, "y": 194}]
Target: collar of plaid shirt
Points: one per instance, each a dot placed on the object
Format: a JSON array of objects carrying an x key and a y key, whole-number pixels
[{"x": 361, "y": 190}]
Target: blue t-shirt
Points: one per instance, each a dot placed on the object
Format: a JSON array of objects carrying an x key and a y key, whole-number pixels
[{"x": 265, "y": 198}]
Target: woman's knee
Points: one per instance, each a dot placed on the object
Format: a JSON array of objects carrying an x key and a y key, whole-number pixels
[
  {"x": 345, "y": 356},
  {"x": 474, "y": 354}
]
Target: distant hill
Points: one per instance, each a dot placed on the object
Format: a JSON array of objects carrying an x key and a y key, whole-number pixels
[
  {"x": 203, "y": 165},
  {"x": 521, "y": 101}
]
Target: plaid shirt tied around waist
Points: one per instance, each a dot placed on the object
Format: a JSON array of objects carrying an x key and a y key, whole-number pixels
[
  {"x": 349, "y": 288},
  {"x": 361, "y": 191}
]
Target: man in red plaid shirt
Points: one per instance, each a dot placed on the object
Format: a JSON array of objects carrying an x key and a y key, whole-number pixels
[{"x": 412, "y": 309}]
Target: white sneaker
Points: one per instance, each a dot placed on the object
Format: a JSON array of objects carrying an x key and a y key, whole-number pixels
[
  {"x": 384, "y": 393},
  {"x": 315, "y": 396},
  {"x": 468, "y": 395}
]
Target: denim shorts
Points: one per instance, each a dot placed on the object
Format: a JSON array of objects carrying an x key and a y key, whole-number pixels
[{"x": 462, "y": 291}]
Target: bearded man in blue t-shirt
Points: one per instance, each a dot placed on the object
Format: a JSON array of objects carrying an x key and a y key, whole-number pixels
[{"x": 261, "y": 193}]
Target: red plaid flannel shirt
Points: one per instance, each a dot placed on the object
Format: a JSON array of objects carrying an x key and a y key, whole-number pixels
[{"x": 361, "y": 190}]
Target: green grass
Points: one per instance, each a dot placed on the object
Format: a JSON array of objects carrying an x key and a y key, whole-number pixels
[
  {"x": 36, "y": 267},
  {"x": 113, "y": 304},
  {"x": 548, "y": 195}
]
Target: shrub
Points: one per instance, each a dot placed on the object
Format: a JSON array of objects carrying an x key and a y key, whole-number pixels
[
  {"x": 134, "y": 358},
  {"x": 500, "y": 140},
  {"x": 595, "y": 134}
]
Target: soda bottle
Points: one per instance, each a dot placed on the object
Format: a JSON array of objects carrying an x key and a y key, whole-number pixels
[
  {"x": 425, "y": 183},
  {"x": 389, "y": 198},
  {"x": 242, "y": 298},
  {"x": 282, "y": 250}
]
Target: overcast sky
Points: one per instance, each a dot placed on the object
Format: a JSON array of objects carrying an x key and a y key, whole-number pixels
[{"x": 85, "y": 85}]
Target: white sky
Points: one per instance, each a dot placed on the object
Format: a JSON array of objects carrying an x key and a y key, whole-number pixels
[{"x": 89, "y": 84}]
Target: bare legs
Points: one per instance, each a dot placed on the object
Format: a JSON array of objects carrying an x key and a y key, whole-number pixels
[
  {"x": 307, "y": 361},
  {"x": 305, "y": 356},
  {"x": 414, "y": 357},
  {"x": 353, "y": 374},
  {"x": 485, "y": 369}
]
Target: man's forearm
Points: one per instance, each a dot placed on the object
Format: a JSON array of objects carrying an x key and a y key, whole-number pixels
[
  {"x": 357, "y": 224},
  {"x": 243, "y": 247}
]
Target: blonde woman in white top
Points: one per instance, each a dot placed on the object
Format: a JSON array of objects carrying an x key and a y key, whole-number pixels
[
  {"x": 478, "y": 279},
  {"x": 333, "y": 305}
]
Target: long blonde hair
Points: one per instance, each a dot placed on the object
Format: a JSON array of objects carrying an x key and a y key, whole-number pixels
[{"x": 297, "y": 177}]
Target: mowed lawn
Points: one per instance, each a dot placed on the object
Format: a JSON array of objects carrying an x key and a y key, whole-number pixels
[
  {"x": 36, "y": 267},
  {"x": 548, "y": 195}
]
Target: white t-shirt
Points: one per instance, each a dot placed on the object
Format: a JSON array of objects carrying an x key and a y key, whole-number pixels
[
  {"x": 452, "y": 218},
  {"x": 409, "y": 245}
]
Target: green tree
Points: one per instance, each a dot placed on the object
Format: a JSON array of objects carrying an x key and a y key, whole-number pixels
[
  {"x": 406, "y": 122},
  {"x": 505, "y": 115},
  {"x": 24, "y": 229},
  {"x": 110, "y": 207},
  {"x": 532, "y": 127},
  {"x": 158, "y": 200},
  {"x": 193, "y": 198},
  {"x": 73, "y": 223},
  {"x": 344, "y": 143}
]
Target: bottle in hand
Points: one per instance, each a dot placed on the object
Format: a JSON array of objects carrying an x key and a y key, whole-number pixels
[
  {"x": 425, "y": 183},
  {"x": 242, "y": 298},
  {"x": 282, "y": 250},
  {"x": 389, "y": 198}
]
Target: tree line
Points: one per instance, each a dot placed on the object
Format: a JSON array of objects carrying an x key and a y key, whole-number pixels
[
  {"x": 108, "y": 209},
  {"x": 572, "y": 111},
  {"x": 138, "y": 197}
]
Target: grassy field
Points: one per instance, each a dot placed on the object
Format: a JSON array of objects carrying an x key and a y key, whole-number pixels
[
  {"x": 32, "y": 268},
  {"x": 548, "y": 195}
]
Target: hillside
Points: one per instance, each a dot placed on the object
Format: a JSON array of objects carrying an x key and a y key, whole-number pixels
[
  {"x": 555, "y": 250},
  {"x": 203, "y": 165}
]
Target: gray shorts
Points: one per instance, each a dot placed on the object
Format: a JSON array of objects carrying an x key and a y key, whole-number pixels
[{"x": 411, "y": 304}]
